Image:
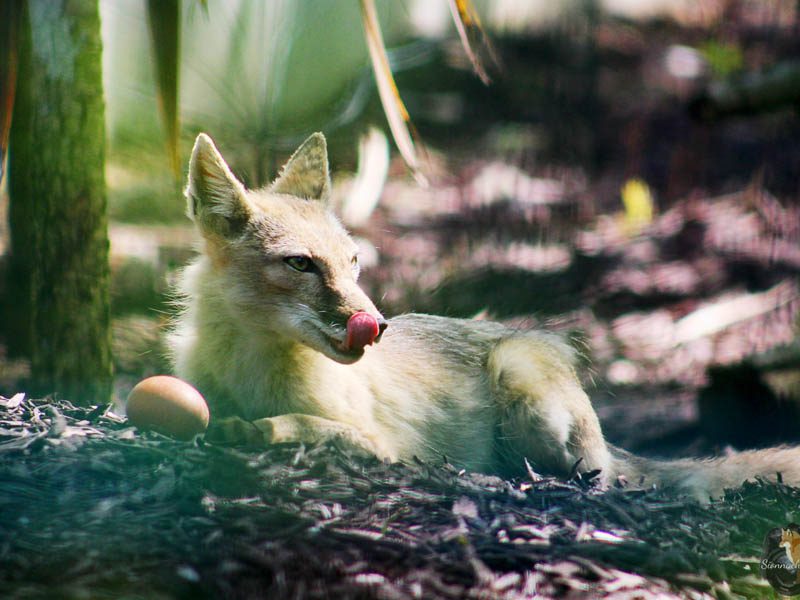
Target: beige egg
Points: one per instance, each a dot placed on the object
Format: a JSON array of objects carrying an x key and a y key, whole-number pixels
[{"x": 168, "y": 405}]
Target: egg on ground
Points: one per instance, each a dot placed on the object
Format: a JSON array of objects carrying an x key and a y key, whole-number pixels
[{"x": 169, "y": 406}]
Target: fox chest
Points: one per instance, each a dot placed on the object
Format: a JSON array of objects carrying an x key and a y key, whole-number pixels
[{"x": 269, "y": 386}]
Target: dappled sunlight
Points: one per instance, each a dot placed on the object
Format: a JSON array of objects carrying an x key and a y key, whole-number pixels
[
  {"x": 620, "y": 173},
  {"x": 674, "y": 278},
  {"x": 498, "y": 181},
  {"x": 517, "y": 255}
]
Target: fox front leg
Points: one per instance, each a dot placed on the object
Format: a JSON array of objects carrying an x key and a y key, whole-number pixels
[{"x": 294, "y": 428}]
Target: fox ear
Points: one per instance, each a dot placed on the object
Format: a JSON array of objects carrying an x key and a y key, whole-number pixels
[
  {"x": 306, "y": 173},
  {"x": 216, "y": 200}
]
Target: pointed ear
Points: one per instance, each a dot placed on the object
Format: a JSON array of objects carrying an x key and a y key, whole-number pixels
[
  {"x": 216, "y": 200},
  {"x": 306, "y": 173}
]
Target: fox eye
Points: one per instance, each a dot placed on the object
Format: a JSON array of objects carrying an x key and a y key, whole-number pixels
[
  {"x": 354, "y": 261},
  {"x": 300, "y": 263}
]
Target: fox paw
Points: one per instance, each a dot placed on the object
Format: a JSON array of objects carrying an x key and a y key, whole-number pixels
[
  {"x": 235, "y": 430},
  {"x": 293, "y": 428}
]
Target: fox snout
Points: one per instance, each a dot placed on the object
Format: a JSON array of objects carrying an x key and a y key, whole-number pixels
[
  {"x": 382, "y": 325},
  {"x": 363, "y": 330}
]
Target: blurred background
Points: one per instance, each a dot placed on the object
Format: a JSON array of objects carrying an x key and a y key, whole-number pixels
[{"x": 628, "y": 177}]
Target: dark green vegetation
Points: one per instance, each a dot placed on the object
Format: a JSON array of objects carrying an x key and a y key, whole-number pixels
[
  {"x": 58, "y": 314},
  {"x": 93, "y": 509}
]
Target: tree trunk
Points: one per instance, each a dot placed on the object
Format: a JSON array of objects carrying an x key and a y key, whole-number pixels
[{"x": 59, "y": 274}]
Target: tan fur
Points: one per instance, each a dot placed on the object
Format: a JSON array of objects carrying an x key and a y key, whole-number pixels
[
  {"x": 263, "y": 342},
  {"x": 790, "y": 542}
]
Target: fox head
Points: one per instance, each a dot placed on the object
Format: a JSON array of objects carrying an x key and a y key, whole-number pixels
[{"x": 287, "y": 264}]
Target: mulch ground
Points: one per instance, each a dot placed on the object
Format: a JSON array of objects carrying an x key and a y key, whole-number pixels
[{"x": 91, "y": 508}]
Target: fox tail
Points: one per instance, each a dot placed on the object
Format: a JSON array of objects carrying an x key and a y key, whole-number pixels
[{"x": 709, "y": 478}]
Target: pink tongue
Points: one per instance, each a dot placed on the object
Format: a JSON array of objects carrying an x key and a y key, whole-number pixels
[{"x": 362, "y": 329}]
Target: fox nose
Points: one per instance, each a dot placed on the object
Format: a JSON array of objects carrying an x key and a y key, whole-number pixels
[{"x": 382, "y": 325}]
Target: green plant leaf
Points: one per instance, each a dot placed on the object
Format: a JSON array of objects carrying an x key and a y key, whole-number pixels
[
  {"x": 164, "y": 22},
  {"x": 472, "y": 35},
  {"x": 639, "y": 205},
  {"x": 396, "y": 113},
  {"x": 724, "y": 59}
]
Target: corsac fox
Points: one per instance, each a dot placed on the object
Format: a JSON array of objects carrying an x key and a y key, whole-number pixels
[{"x": 284, "y": 344}]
